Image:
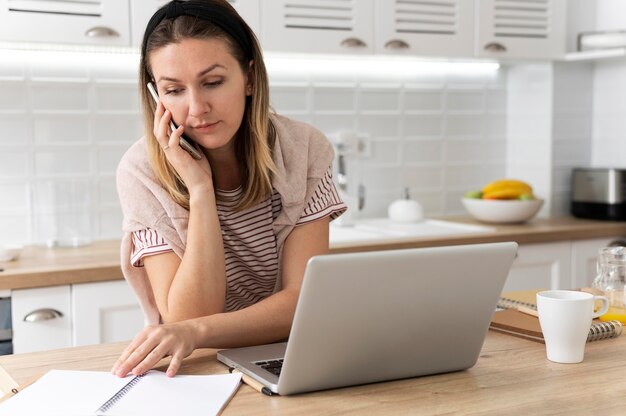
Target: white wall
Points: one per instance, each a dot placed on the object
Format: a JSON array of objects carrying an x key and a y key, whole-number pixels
[{"x": 66, "y": 121}]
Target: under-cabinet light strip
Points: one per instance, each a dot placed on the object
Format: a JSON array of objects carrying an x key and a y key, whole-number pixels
[{"x": 277, "y": 63}]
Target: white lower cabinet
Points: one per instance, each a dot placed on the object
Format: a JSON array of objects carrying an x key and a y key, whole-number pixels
[
  {"x": 545, "y": 266},
  {"x": 41, "y": 318},
  {"x": 104, "y": 312},
  {"x": 561, "y": 265},
  {"x": 73, "y": 315}
]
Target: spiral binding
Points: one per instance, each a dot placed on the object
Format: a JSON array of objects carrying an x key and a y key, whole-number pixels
[
  {"x": 121, "y": 393},
  {"x": 506, "y": 303},
  {"x": 602, "y": 330}
]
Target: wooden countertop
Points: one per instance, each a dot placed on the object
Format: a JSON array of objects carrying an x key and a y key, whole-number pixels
[
  {"x": 40, "y": 266},
  {"x": 512, "y": 376}
]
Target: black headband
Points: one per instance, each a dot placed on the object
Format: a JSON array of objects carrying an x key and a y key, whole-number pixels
[{"x": 202, "y": 10}]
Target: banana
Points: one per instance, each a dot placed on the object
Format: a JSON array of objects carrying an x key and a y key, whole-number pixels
[{"x": 506, "y": 189}]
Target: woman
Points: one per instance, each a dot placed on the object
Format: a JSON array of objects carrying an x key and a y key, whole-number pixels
[{"x": 216, "y": 248}]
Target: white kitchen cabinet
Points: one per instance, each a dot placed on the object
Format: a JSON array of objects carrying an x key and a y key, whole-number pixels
[
  {"x": 142, "y": 10},
  {"x": 585, "y": 256},
  {"x": 94, "y": 22},
  {"x": 443, "y": 28},
  {"x": 73, "y": 315},
  {"x": 532, "y": 29},
  {"x": 319, "y": 26},
  {"x": 41, "y": 319},
  {"x": 105, "y": 312},
  {"x": 541, "y": 266}
]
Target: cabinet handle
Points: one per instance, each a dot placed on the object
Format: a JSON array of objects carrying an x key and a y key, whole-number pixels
[
  {"x": 353, "y": 43},
  {"x": 101, "y": 32},
  {"x": 42, "y": 315},
  {"x": 396, "y": 44},
  {"x": 495, "y": 47}
]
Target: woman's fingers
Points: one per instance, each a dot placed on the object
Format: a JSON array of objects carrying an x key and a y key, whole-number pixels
[
  {"x": 153, "y": 344},
  {"x": 175, "y": 364},
  {"x": 130, "y": 348},
  {"x": 167, "y": 139},
  {"x": 136, "y": 351},
  {"x": 146, "y": 360}
]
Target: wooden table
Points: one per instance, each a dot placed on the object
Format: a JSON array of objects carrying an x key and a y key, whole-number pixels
[{"x": 512, "y": 377}]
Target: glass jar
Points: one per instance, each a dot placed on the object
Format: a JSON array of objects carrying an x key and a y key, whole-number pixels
[{"x": 611, "y": 281}]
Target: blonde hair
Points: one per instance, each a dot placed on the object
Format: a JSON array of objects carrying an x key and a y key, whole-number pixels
[{"x": 255, "y": 138}]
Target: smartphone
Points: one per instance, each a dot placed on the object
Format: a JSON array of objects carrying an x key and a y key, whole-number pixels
[{"x": 185, "y": 142}]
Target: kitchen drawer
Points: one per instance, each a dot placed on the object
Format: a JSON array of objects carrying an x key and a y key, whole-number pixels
[{"x": 41, "y": 319}]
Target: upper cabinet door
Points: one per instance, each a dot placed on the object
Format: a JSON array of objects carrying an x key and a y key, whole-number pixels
[
  {"x": 521, "y": 28},
  {"x": 93, "y": 22},
  {"x": 326, "y": 26},
  {"x": 142, "y": 10},
  {"x": 425, "y": 27},
  {"x": 250, "y": 10}
]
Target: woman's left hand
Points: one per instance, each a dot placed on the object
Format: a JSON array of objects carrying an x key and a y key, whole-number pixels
[{"x": 155, "y": 342}]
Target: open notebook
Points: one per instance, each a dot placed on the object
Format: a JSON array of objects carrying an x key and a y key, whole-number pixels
[{"x": 69, "y": 393}]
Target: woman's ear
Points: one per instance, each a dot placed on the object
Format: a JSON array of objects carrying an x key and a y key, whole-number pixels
[{"x": 250, "y": 78}]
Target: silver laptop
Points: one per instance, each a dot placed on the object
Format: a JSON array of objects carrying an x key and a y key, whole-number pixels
[{"x": 384, "y": 315}]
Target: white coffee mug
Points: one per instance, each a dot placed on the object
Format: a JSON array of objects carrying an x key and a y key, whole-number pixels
[{"x": 565, "y": 318}]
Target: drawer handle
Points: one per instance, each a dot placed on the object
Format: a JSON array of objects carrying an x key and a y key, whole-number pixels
[
  {"x": 617, "y": 243},
  {"x": 495, "y": 47},
  {"x": 42, "y": 315},
  {"x": 396, "y": 44},
  {"x": 101, "y": 32},
  {"x": 353, "y": 43}
]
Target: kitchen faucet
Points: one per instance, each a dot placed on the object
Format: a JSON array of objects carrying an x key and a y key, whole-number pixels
[{"x": 342, "y": 182}]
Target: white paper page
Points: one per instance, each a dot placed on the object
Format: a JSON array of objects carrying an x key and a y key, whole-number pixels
[
  {"x": 157, "y": 394},
  {"x": 66, "y": 393}
]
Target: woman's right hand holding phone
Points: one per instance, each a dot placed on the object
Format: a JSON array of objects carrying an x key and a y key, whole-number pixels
[{"x": 196, "y": 174}]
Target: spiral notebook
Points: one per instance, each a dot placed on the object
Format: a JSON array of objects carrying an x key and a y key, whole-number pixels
[
  {"x": 513, "y": 322},
  {"x": 68, "y": 393}
]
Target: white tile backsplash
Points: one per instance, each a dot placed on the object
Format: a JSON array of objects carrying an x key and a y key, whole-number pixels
[
  {"x": 13, "y": 163},
  {"x": 66, "y": 161},
  {"x": 459, "y": 126},
  {"x": 60, "y": 96},
  {"x": 60, "y": 129},
  {"x": 109, "y": 157},
  {"x": 465, "y": 100},
  {"x": 18, "y": 201},
  {"x": 332, "y": 98},
  {"x": 290, "y": 98},
  {"x": 422, "y": 126},
  {"x": 423, "y": 100},
  {"x": 14, "y": 95},
  {"x": 437, "y": 132},
  {"x": 14, "y": 129},
  {"x": 422, "y": 151},
  {"x": 107, "y": 192},
  {"x": 379, "y": 99},
  {"x": 116, "y": 97},
  {"x": 116, "y": 128},
  {"x": 425, "y": 178},
  {"x": 15, "y": 228}
]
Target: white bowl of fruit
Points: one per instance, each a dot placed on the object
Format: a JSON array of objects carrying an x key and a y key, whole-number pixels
[{"x": 505, "y": 201}]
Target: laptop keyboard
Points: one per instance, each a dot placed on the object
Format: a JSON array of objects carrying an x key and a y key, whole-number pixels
[{"x": 273, "y": 366}]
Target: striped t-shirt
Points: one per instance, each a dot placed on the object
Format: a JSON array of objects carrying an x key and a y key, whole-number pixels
[{"x": 250, "y": 249}]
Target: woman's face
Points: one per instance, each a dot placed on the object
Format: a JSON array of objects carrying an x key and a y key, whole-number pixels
[{"x": 203, "y": 86}]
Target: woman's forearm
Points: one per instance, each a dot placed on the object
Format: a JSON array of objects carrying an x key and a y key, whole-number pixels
[
  {"x": 199, "y": 285},
  {"x": 264, "y": 322}
]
